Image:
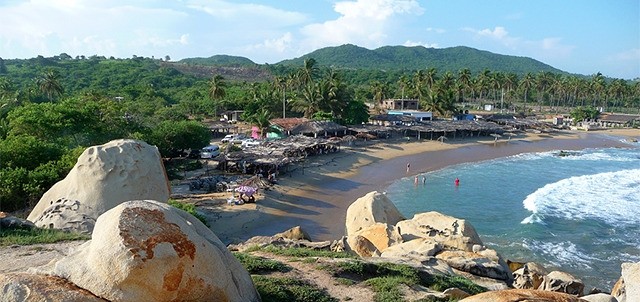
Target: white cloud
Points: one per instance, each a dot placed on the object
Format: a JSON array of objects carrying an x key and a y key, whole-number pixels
[
  {"x": 279, "y": 45},
  {"x": 365, "y": 23},
  {"x": 436, "y": 30},
  {"x": 631, "y": 55},
  {"x": 410, "y": 43},
  {"x": 498, "y": 33}
]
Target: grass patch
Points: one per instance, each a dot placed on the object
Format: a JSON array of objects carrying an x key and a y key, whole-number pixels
[
  {"x": 302, "y": 252},
  {"x": 385, "y": 278},
  {"x": 36, "y": 236},
  {"x": 189, "y": 208},
  {"x": 289, "y": 289},
  {"x": 442, "y": 282},
  {"x": 255, "y": 264}
]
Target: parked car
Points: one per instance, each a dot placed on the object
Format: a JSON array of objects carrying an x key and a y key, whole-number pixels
[
  {"x": 250, "y": 143},
  {"x": 238, "y": 139},
  {"x": 210, "y": 151},
  {"x": 233, "y": 137}
]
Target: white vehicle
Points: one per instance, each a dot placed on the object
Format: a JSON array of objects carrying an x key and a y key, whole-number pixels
[
  {"x": 233, "y": 138},
  {"x": 250, "y": 143},
  {"x": 238, "y": 139},
  {"x": 210, "y": 152}
]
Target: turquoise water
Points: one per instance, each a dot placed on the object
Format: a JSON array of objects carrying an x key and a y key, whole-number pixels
[{"x": 578, "y": 213}]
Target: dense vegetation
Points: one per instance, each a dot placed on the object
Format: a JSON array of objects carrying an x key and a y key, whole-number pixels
[
  {"x": 393, "y": 58},
  {"x": 53, "y": 108}
]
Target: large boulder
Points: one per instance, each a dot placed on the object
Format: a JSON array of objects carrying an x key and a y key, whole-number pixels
[
  {"x": 151, "y": 251},
  {"x": 631, "y": 277},
  {"x": 370, "y": 209},
  {"x": 449, "y": 231},
  {"x": 27, "y": 287},
  {"x": 381, "y": 235},
  {"x": 475, "y": 264},
  {"x": 530, "y": 276},
  {"x": 619, "y": 290},
  {"x": 557, "y": 281},
  {"x": 419, "y": 249},
  {"x": 520, "y": 295},
  {"x": 103, "y": 177},
  {"x": 600, "y": 297}
]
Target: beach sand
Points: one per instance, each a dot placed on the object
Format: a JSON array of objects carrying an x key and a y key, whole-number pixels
[{"x": 316, "y": 194}]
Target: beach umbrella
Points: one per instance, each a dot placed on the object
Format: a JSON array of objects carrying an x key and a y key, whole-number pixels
[
  {"x": 246, "y": 190},
  {"x": 496, "y": 136},
  {"x": 442, "y": 138}
]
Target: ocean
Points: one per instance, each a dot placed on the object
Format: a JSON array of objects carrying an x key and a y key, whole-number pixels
[{"x": 574, "y": 211}]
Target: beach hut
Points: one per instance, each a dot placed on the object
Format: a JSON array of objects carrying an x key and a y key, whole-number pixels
[{"x": 319, "y": 128}]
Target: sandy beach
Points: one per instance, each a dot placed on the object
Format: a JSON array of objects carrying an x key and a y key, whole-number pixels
[{"x": 315, "y": 195}]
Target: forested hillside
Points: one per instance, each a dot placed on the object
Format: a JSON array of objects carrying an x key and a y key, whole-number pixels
[{"x": 393, "y": 58}]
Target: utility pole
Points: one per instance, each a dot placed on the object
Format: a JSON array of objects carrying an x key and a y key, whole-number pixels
[
  {"x": 284, "y": 101},
  {"x": 502, "y": 100}
]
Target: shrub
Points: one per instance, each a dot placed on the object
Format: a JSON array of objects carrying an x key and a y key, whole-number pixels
[
  {"x": 255, "y": 264},
  {"x": 36, "y": 236},
  {"x": 189, "y": 208},
  {"x": 289, "y": 289}
]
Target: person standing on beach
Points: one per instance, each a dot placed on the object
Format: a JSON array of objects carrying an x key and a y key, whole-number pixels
[
  {"x": 415, "y": 180},
  {"x": 408, "y": 167},
  {"x": 424, "y": 179}
]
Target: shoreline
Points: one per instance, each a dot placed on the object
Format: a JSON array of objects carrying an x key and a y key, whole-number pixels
[{"x": 316, "y": 194}]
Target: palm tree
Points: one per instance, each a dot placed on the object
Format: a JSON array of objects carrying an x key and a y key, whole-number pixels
[
  {"x": 464, "y": 78},
  {"x": 217, "y": 87},
  {"x": 262, "y": 120},
  {"x": 308, "y": 72},
  {"x": 49, "y": 84},
  {"x": 527, "y": 83},
  {"x": 309, "y": 102},
  {"x": 598, "y": 87}
]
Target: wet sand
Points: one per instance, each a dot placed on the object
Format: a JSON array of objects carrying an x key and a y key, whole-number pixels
[{"x": 317, "y": 194}]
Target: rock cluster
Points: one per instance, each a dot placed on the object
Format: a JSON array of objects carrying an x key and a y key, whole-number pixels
[
  {"x": 103, "y": 177},
  {"x": 140, "y": 251},
  {"x": 375, "y": 228}
]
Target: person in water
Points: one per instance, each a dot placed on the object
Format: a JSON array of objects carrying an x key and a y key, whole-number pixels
[{"x": 457, "y": 181}]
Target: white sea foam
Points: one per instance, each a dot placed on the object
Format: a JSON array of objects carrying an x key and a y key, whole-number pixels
[
  {"x": 561, "y": 254},
  {"x": 611, "y": 197}
]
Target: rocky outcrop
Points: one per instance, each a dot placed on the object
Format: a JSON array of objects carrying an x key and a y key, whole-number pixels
[
  {"x": 449, "y": 231},
  {"x": 517, "y": 295},
  {"x": 27, "y": 287},
  {"x": 381, "y": 235},
  {"x": 601, "y": 297},
  {"x": 103, "y": 177},
  {"x": 619, "y": 290},
  {"x": 475, "y": 264},
  {"x": 419, "y": 249},
  {"x": 11, "y": 222},
  {"x": 530, "y": 276},
  {"x": 294, "y": 233},
  {"x": 370, "y": 209},
  {"x": 631, "y": 279},
  {"x": 362, "y": 246},
  {"x": 150, "y": 251},
  {"x": 562, "y": 282}
]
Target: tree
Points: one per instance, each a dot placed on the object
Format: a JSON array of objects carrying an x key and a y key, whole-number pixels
[
  {"x": 172, "y": 138},
  {"x": 580, "y": 114},
  {"x": 217, "y": 87},
  {"x": 49, "y": 84},
  {"x": 526, "y": 84},
  {"x": 262, "y": 120}
]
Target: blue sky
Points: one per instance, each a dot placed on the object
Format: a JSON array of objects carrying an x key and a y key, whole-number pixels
[{"x": 578, "y": 36}]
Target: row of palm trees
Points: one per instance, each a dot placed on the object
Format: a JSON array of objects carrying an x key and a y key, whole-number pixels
[{"x": 556, "y": 92}]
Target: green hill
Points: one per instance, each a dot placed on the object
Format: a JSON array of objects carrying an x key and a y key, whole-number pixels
[
  {"x": 392, "y": 58},
  {"x": 220, "y": 60}
]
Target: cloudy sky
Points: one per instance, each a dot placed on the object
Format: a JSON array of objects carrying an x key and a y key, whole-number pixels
[{"x": 585, "y": 37}]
